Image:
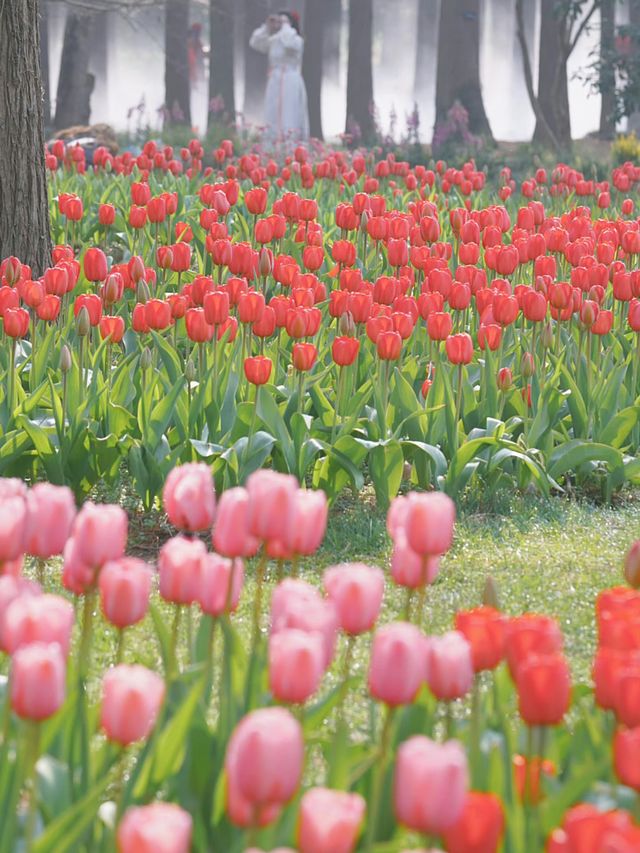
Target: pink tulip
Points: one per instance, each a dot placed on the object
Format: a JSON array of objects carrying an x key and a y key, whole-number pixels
[
  {"x": 309, "y": 522},
  {"x": 13, "y": 527},
  {"x": 428, "y": 523},
  {"x": 12, "y": 588},
  {"x": 245, "y": 814},
  {"x": 450, "y": 666},
  {"x": 156, "y": 828},
  {"x": 13, "y": 568},
  {"x": 77, "y": 576},
  {"x": 12, "y": 487},
  {"x": 38, "y": 619},
  {"x": 265, "y": 756},
  {"x": 216, "y": 573},
  {"x": 131, "y": 700},
  {"x": 410, "y": 569},
  {"x": 37, "y": 681},
  {"x": 330, "y": 821},
  {"x": 179, "y": 564},
  {"x": 397, "y": 667},
  {"x": 272, "y": 498},
  {"x": 189, "y": 498},
  {"x": 125, "y": 587},
  {"x": 296, "y": 665},
  {"x": 396, "y": 515},
  {"x": 51, "y": 512},
  {"x": 356, "y": 591},
  {"x": 231, "y": 535},
  {"x": 296, "y": 604},
  {"x": 100, "y": 532},
  {"x": 430, "y": 784}
]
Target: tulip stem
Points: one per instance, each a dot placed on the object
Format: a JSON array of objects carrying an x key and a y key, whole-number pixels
[
  {"x": 172, "y": 667},
  {"x": 474, "y": 730},
  {"x": 120, "y": 646},
  {"x": 84, "y": 649},
  {"x": 448, "y": 720},
  {"x": 378, "y": 780},
  {"x": 12, "y": 376},
  {"x": 338, "y": 404},
  {"x": 252, "y": 428},
  {"x": 408, "y": 601},
  {"x": 255, "y": 635},
  {"x": 458, "y": 401},
  {"x": 344, "y": 681},
  {"x": 40, "y": 566},
  {"x": 33, "y": 750},
  {"x": 300, "y": 390}
]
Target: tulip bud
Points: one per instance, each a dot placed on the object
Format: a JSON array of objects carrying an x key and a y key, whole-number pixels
[
  {"x": 65, "y": 358},
  {"x": 504, "y": 380},
  {"x": 83, "y": 323},
  {"x": 111, "y": 290},
  {"x": 136, "y": 269},
  {"x": 190, "y": 371},
  {"x": 490, "y": 597},
  {"x": 347, "y": 326},
  {"x": 265, "y": 262},
  {"x": 142, "y": 292},
  {"x": 364, "y": 219},
  {"x": 527, "y": 365},
  {"x": 547, "y": 335},
  {"x": 632, "y": 565},
  {"x": 146, "y": 358}
]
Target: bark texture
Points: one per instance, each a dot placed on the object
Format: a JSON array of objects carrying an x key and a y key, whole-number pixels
[
  {"x": 221, "y": 57},
  {"x": 458, "y": 74},
  {"x": 24, "y": 211},
  {"x": 607, "y": 74},
  {"x": 177, "y": 99},
  {"x": 553, "y": 89},
  {"x": 75, "y": 84},
  {"x": 312, "y": 65},
  {"x": 359, "y": 73},
  {"x": 255, "y": 64}
]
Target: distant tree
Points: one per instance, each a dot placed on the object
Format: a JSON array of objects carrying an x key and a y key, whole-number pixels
[
  {"x": 44, "y": 62},
  {"x": 563, "y": 22},
  {"x": 24, "y": 211},
  {"x": 75, "y": 84},
  {"x": 177, "y": 99},
  {"x": 312, "y": 65},
  {"x": 331, "y": 40},
  {"x": 221, "y": 56},
  {"x": 458, "y": 72},
  {"x": 255, "y": 64},
  {"x": 359, "y": 72},
  {"x": 607, "y": 81}
]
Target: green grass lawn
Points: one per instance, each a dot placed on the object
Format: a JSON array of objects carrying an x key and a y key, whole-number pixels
[{"x": 550, "y": 556}]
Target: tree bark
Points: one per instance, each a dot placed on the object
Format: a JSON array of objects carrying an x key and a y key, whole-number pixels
[
  {"x": 545, "y": 129},
  {"x": 75, "y": 84},
  {"x": 633, "y": 123},
  {"x": 312, "y": 64},
  {"x": 458, "y": 73},
  {"x": 177, "y": 99},
  {"x": 44, "y": 62},
  {"x": 553, "y": 88},
  {"x": 24, "y": 212},
  {"x": 255, "y": 64},
  {"x": 607, "y": 74},
  {"x": 331, "y": 40},
  {"x": 221, "y": 57},
  {"x": 359, "y": 72}
]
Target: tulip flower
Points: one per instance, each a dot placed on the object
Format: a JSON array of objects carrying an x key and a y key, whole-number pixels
[
  {"x": 125, "y": 588},
  {"x": 296, "y": 665},
  {"x": 156, "y": 828},
  {"x": 189, "y": 498},
  {"x": 356, "y": 591},
  {"x": 330, "y": 821},
  {"x": 480, "y": 826},
  {"x": 449, "y": 666},
  {"x": 37, "y": 619},
  {"x": 131, "y": 700},
  {"x": 37, "y": 681}
]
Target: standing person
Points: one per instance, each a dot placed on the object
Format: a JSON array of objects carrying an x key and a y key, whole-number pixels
[{"x": 286, "y": 113}]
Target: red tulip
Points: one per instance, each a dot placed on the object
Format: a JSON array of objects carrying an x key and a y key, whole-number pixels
[
  {"x": 304, "y": 356},
  {"x": 257, "y": 369},
  {"x": 459, "y": 348},
  {"x": 544, "y": 687},
  {"x": 480, "y": 826},
  {"x": 16, "y": 322}
]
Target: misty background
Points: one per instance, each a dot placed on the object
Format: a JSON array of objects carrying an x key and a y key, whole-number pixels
[{"x": 127, "y": 61}]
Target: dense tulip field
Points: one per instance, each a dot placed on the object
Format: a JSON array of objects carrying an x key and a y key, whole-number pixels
[
  {"x": 243, "y": 739},
  {"x": 335, "y": 318}
]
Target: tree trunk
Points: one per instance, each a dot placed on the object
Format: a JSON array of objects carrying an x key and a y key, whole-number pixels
[
  {"x": 221, "y": 58},
  {"x": 553, "y": 89},
  {"x": 607, "y": 74},
  {"x": 255, "y": 64},
  {"x": 24, "y": 212},
  {"x": 633, "y": 123},
  {"x": 75, "y": 84},
  {"x": 426, "y": 57},
  {"x": 458, "y": 74},
  {"x": 360, "y": 73},
  {"x": 177, "y": 99},
  {"x": 331, "y": 40},
  {"x": 312, "y": 64},
  {"x": 44, "y": 62}
]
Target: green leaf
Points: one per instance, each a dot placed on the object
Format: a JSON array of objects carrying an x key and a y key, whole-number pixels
[
  {"x": 68, "y": 828},
  {"x": 569, "y": 456},
  {"x": 386, "y": 465},
  {"x": 616, "y": 431}
]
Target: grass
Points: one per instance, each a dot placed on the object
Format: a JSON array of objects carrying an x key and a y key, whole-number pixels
[{"x": 548, "y": 556}]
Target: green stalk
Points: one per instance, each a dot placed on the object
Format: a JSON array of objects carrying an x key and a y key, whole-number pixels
[
  {"x": 378, "y": 781},
  {"x": 86, "y": 637},
  {"x": 172, "y": 668},
  {"x": 338, "y": 405},
  {"x": 33, "y": 751}
]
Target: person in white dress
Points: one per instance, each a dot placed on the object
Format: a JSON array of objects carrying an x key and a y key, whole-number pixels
[{"x": 286, "y": 113}]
